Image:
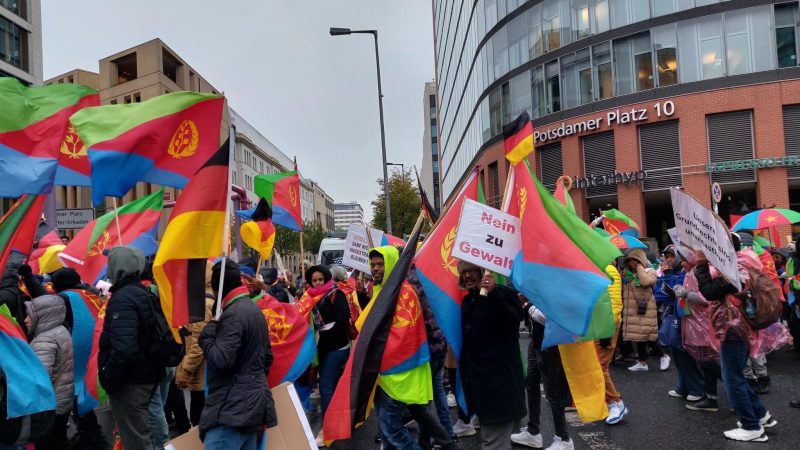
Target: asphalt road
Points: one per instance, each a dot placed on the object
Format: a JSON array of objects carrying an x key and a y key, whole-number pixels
[{"x": 655, "y": 420}]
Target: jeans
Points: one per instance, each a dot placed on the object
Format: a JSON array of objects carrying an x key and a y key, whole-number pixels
[
  {"x": 711, "y": 373},
  {"x": 331, "y": 366},
  {"x": 533, "y": 388},
  {"x": 159, "y": 430},
  {"x": 555, "y": 388},
  {"x": 226, "y": 438},
  {"x": 390, "y": 421},
  {"x": 690, "y": 376},
  {"x": 129, "y": 407},
  {"x": 641, "y": 349},
  {"x": 733, "y": 359},
  {"x": 440, "y": 396}
]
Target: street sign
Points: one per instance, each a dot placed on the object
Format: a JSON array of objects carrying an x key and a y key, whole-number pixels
[
  {"x": 73, "y": 219},
  {"x": 716, "y": 192}
]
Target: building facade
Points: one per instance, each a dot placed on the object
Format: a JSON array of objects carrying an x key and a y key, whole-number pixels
[
  {"x": 429, "y": 174},
  {"x": 323, "y": 208},
  {"x": 628, "y": 97},
  {"x": 21, "y": 40},
  {"x": 346, "y": 213}
]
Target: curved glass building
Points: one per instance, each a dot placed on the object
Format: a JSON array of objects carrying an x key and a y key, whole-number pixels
[{"x": 628, "y": 97}]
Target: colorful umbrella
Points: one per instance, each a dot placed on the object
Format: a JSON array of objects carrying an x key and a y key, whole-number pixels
[
  {"x": 766, "y": 218},
  {"x": 622, "y": 241},
  {"x": 762, "y": 241}
]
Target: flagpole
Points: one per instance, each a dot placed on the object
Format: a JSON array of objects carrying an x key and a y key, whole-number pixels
[
  {"x": 226, "y": 229},
  {"x": 369, "y": 235},
  {"x": 512, "y": 173},
  {"x": 302, "y": 256},
  {"x": 116, "y": 219}
]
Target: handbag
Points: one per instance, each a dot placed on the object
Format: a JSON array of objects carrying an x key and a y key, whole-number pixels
[{"x": 670, "y": 332}]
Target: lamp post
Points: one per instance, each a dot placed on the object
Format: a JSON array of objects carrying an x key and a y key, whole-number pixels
[
  {"x": 374, "y": 33},
  {"x": 402, "y": 168}
]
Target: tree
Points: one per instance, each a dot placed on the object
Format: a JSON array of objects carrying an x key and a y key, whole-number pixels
[
  {"x": 287, "y": 241},
  {"x": 313, "y": 234},
  {"x": 405, "y": 204}
]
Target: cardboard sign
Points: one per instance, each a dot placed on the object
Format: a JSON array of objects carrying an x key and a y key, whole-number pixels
[
  {"x": 487, "y": 237},
  {"x": 356, "y": 246},
  {"x": 700, "y": 229}
]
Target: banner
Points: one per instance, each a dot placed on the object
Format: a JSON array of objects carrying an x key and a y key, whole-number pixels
[
  {"x": 487, "y": 237},
  {"x": 700, "y": 229},
  {"x": 356, "y": 246}
]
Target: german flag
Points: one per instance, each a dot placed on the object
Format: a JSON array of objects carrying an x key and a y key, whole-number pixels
[
  {"x": 259, "y": 233},
  {"x": 194, "y": 234},
  {"x": 518, "y": 138},
  {"x": 427, "y": 209}
]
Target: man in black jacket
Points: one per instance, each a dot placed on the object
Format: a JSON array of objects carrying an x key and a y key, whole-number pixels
[
  {"x": 125, "y": 371},
  {"x": 238, "y": 359}
]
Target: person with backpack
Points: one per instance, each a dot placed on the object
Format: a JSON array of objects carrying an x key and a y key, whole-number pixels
[
  {"x": 731, "y": 327},
  {"x": 53, "y": 345},
  {"x": 128, "y": 367},
  {"x": 333, "y": 347},
  {"x": 238, "y": 358}
]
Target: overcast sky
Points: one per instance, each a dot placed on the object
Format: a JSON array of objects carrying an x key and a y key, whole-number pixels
[{"x": 312, "y": 95}]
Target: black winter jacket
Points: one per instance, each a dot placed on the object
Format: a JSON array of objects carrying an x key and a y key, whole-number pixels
[
  {"x": 11, "y": 296},
  {"x": 127, "y": 332},
  {"x": 335, "y": 310},
  {"x": 491, "y": 364},
  {"x": 238, "y": 359}
]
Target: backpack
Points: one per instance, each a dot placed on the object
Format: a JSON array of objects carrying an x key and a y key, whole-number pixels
[
  {"x": 163, "y": 349},
  {"x": 765, "y": 297}
]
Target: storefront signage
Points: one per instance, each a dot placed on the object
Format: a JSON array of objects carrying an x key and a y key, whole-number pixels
[
  {"x": 74, "y": 219},
  {"x": 755, "y": 163},
  {"x": 487, "y": 237},
  {"x": 612, "y": 118},
  {"x": 592, "y": 180}
]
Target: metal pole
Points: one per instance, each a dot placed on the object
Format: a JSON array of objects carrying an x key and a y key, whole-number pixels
[{"x": 383, "y": 139}]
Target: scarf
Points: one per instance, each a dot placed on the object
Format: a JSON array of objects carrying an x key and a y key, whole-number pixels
[
  {"x": 235, "y": 294},
  {"x": 632, "y": 277},
  {"x": 312, "y": 296}
]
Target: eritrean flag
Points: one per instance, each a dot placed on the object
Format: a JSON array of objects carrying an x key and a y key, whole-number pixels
[
  {"x": 18, "y": 227},
  {"x": 282, "y": 192},
  {"x": 394, "y": 241},
  {"x": 193, "y": 235},
  {"x": 28, "y": 386},
  {"x": 518, "y": 138},
  {"x": 138, "y": 222},
  {"x": 615, "y": 222},
  {"x": 563, "y": 184},
  {"x": 34, "y": 124},
  {"x": 291, "y": 336},
  {"x": 164, "y": 141},
  {"x": 85, "y": 308},
  {"x": 259, "y": 233}
]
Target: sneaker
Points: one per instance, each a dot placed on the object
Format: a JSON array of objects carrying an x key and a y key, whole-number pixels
[
  {"x": 740, "y": 434},
  {"x": 475, "y": 422},
  {"x": 320, "y": 440},
  {"x": 314, "y": 394},
  {"x": 462, "y": 429},
  {"x": 693, "y": 398},
  {"x": 665, "y": 362},
  {"x": 676, "y": 394},
  {"x": 558, "y": 444},
  {"x": 527, "y": 439},
  {"x": 451, "y": 400},
  {"x": 767, "y": 421},
  {"x": 707, "y": 404},
  {"x": 638, "y": 367},
  {"x": 616, "y": 411}
]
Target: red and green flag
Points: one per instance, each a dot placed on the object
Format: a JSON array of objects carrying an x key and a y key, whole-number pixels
[
  {"x": 615, "y": 222},
  {"x": 34, "y": 124},
  {"x": 282, "y": 192},
  {"x": 518, "y": 138},
  {"x": 18, "y": 227},
  {"x": 138, "y": 223},
  {"x": 164, "y": 140}
]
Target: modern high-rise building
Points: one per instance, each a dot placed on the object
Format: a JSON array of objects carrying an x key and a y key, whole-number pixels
[
  {"x": 429, "y": 174},
  {"x": 21, "y": 40},
  {"x": 628, "y": 97},
  {"x": 346, "y": 213}
]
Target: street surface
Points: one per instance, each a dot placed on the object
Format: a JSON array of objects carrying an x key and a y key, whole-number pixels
[{"x": 655, "y": 420}]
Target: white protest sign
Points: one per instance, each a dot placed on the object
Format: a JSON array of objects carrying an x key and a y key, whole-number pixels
[
  {"x": 487, "y": 237},
  {"x": 356, "y": 246},
  {"x": 700, "y": 229}
]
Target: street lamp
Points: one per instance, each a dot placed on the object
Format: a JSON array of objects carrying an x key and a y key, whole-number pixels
[
  {"x": 346, "y": 31},
  {"x": 402, "y": 168}
]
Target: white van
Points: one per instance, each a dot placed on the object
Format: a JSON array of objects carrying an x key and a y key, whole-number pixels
[{"x": 329, "y": 250}]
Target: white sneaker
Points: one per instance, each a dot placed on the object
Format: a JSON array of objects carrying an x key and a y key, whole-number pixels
[
  {"x": 693, "y": 398},
  {"x": 665, "y": 362},
  {"x": 475, "y": 422},
  {"x": 527, "y": 439},
  {"x": 616, "y": 412},
  {"x": 462, "y": 429},
  {"x": 674, "y": 393},
  {"x": 558, "y": 444},
  {"x": 638, "y": 367},
  {"x": 767, "y": 421},
  {"x": 451, "y": 400},
  {"x": 740, "y": 434},
  {"x": 320, "y": 440}
]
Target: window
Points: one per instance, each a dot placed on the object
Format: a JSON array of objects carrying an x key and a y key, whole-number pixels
[
  {"x": 786, "y": 34},
  {"x": 624, "y": 12},
  {"x": 113, "y": 102},
  {"x": 748, "y": 41},
  {"x": 13, "y": 44},
  {"x": 662, "y": 7},
  {"x": 15, "y": 6},
  {"x": 500, "y": 54},
  {"x": 490, "y": 6},
  {"x": 518, "y": 41},
  {"x": 580, "y": 19},
  {"x": 551, "y": 24},
  {"x": 127, "y": 99},
  {"x": 537, "y": 43},
  {"x": 520, "y": 94},
  {"x": 576, "y": 79},
  {"x": 537, "y": 92},
  {"x": 601, "y": 18},
  {"x": 643, "y": 61},
  {"x": 553, "y": 88},
  {"x": 496, "y": 195},
  {"x": 170, "y": 65},
  {"x": 434, "y": 131},
  {"x": 623, "y": 66},
  {"x": 137, "y": 97},
  {"x": 665, "y": 44},
  {"x": 602, "y": 71},
  {"x": 70, "y": 79},
  {"x": 710, "y": 35},
  {"x": 495, "y": 112},
  {"x": 633, "y": 63},
  {"x": 506, "y": 103}
]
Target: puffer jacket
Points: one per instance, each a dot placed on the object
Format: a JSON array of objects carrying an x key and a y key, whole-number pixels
[
  {"x": 53, "y": 345},
  {"x": 639, "y": 327},
  {"x": 615, "y": 291},
  {"x": 193, "y": 364}
]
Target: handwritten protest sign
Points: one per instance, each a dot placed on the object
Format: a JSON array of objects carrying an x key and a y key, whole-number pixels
[
  {"x": 487, "y": 237},
  {"x": 356, "y": 246},
  {"x": 700, "y": 229}
]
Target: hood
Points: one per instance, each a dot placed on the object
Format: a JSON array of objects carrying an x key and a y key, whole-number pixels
[
  {"x": 9, "y": 278},
  {"x": 46, "y": 312},
  {"x": 639, "y": 255},
  {"x": 785, "y": 253},
  {"x": 326, "y": 273},
  {"x": 65, "y": 278},
  {"x": 390, "y": 256},
  {"x": 676, "y": 265},
  {"x": 125, "y": 262}
]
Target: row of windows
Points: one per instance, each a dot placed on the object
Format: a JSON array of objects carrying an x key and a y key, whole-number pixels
[{"x": 734, "y": 43}]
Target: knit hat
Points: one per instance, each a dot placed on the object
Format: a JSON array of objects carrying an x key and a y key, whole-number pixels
[{"x": 65, "y": 278}]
